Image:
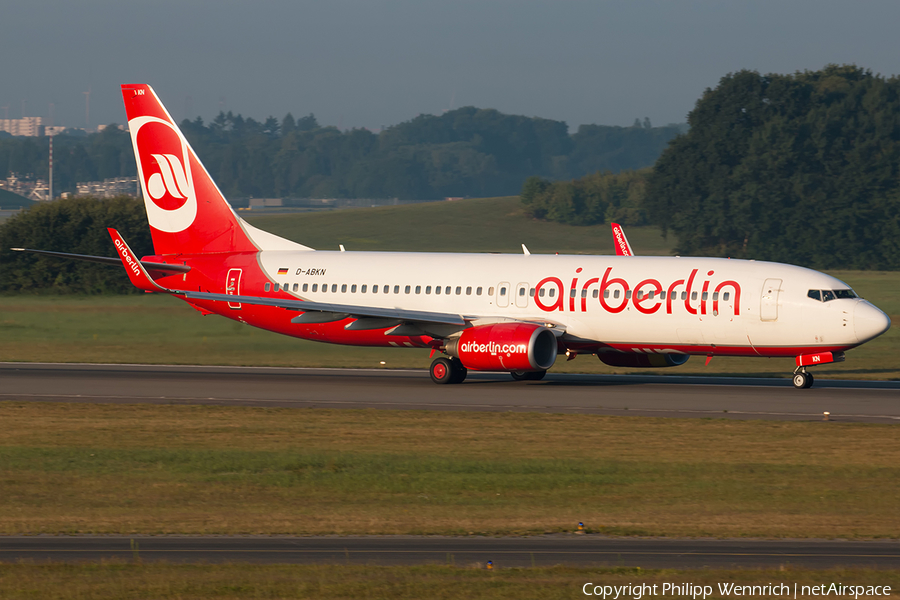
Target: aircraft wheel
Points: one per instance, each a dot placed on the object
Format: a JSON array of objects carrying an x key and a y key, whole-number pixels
[
  {"x": 528, "y": 375},
  {"x": 802, "y": 380},
  {"x": 441, "y": 370},
  {"x": 809, "y": 381},
  {"x": 459, "y": 371}
]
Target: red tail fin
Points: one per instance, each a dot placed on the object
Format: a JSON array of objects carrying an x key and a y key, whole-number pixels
[{"x": 187, "y": 212}]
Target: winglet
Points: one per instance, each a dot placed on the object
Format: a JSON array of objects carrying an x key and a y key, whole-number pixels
[
  {"x": 525, "y": 250},
  {"x": 623, "y": 248},
  {"x": 133, "y": 267}
]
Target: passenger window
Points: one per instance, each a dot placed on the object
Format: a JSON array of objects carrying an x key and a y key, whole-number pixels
[
  {"x": 827, "y": 295},
  {"x": 437, "y": 289},
  {"x": 693, "y": 295},
  {"x": 418, "y": 289},
  {"x": 662, "y": 295},
  {"x": 276, "y": 287},
  {"x": 595, "y": 294},
  {"x": 684, "y": 295},
  {"x": 344, "y": 288},
  {"x": 305, "y": 287},
  {"x": 606, "y": 293},
  {"x": 726, "y": 296},
  {"x": 552, "y": 292},
  {"x": 267, "y": 286},
  {"x": 363, "y": 288},
  {"x": 333, "y": 288},
  {"x": 531, "y": 292},
  {"x": 715, "y": 296},
  {"x": 447, "y": 290},
  {"x": 541, "y": 293},
  {"x": 478, "y": 291},
  {"x": 572, "y": 293},
  {"x": 458, "y": 290},
  {"x": 628, "y": 295},
  {"x": 296, "y": 286},
  {"x": 353, "y": 289},
  {"x": 616, "y": 294},
  {"x": 427, "y": 289},
  {"x": 396, "y": 289},
  {"x": 490, "y": 291},
  {"x": 386, "y": 289},
  {"x": 407, "y": 289},
  {"x": 651, "y": 294},
  {"x": 503, "y": 291},
  {"x": 469, "y": 290},
  {"x": 315, "y": 287},
  {"x": 374, "y": 289},
  {"x": 705, "y": 295},
  {"x": 521, "y": 291},
  {"x": 324, "y": 287}
]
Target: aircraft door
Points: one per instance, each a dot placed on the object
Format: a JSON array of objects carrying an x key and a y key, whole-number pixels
[
  {"x": 768, "y": 304},
  {"x": 522, "y": 295},
  {"x": 503, "y": 294},
  {"x": 233, "y": 286}
]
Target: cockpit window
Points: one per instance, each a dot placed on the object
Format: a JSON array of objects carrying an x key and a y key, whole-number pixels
[{"x": 828, "y": 295}]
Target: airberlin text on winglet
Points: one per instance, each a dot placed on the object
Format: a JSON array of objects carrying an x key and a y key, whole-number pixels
[{"x": 641, "y": 299}]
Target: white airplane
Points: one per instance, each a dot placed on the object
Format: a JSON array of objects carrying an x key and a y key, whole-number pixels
[{"x": 484, "y": 312}]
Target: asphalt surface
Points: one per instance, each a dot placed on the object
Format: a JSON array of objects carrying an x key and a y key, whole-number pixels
[
  {"x": 659, "y": 396},
  {"x": 461, "y": 551}
]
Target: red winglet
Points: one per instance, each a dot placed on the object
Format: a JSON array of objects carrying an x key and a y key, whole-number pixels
[
  {"x": 623, "y": 248},
  {"x": 133, "y": 267}
]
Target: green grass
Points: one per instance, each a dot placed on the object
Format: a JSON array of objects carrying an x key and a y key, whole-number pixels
[
  {"x": 480, "y": 225},
  {"x": 121, "y": 581},
  {"x": 79, "y": 468}
]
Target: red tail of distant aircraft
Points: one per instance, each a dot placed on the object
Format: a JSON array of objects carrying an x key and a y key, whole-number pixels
[{"x": 511, "y": 313}]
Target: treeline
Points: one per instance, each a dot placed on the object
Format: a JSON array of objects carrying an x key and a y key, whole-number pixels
[
  {"x": 75, "y": 225},
  {"x": 801, "y": 168},
  {"x": 465, "y": 152},
  {"x": 598, "y": 198}
]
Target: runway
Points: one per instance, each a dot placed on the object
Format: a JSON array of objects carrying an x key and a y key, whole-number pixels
[
  {"x": 635, "y": 395},
  {"x": 546, "y": 550}
]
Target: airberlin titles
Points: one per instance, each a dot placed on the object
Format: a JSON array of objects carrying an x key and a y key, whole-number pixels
[{"x": 647, "y": 296}]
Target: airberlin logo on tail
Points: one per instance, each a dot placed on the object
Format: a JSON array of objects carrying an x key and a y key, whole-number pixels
[
  {"x": 171, "y": 178},
  {"x": 165, "y": 170}
]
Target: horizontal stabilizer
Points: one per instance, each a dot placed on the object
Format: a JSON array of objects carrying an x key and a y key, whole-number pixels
[{"x": 107, "y": 260}]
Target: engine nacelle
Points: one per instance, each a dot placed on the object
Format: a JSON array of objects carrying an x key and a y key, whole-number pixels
[
  {"x": 635, "y": 359},
  {"x": 505, "y": 347}
]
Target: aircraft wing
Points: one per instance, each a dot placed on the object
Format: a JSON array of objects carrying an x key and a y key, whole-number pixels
[{"x": 623, "y": 248}]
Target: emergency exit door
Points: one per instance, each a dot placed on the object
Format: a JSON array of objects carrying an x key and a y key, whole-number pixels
[
  {"x": 768, "y": 304},
  {"x": 233, "y": 287}
]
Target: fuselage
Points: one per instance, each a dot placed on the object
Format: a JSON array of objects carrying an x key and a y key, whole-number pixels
[{"x": 636, "y": 304}]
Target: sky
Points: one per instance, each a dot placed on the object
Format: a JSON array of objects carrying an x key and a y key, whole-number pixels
[{"x": 375, "y": 63}]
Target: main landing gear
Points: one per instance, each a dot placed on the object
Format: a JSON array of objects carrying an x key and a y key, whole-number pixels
[
  {"x": 802, "y": 379},
  {"x": 447, "y": 370},
  {"x": 528, "y": 375}
]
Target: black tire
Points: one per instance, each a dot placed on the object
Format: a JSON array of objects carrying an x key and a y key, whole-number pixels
[
  {"x": 441, "y": 370},
  {"x": 802, "y": 380},
  {"x": 528, "y": 375},
  {"x": 459, "y": 371},
  {"x": 809, "y": 381}
]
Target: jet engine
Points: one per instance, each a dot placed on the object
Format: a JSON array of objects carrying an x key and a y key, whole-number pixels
[
  {"x": 635, "y": 359},
  {"x": 505, "y": 347}
]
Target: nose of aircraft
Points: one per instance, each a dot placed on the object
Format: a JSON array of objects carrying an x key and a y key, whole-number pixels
[{"x": 869, "y": 322}]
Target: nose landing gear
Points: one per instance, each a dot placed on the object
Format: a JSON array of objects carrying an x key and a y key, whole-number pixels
[{"x": 802, "y": 379}]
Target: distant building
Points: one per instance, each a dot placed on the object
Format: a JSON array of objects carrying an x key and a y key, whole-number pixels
[
  {"x": 28, "y": 186},
  {"x": 51, "y": 130},
  {"x": 265, "y": 202},
  {"x": 27, "y": 126},
  {"x": 108, "y": 188}
]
